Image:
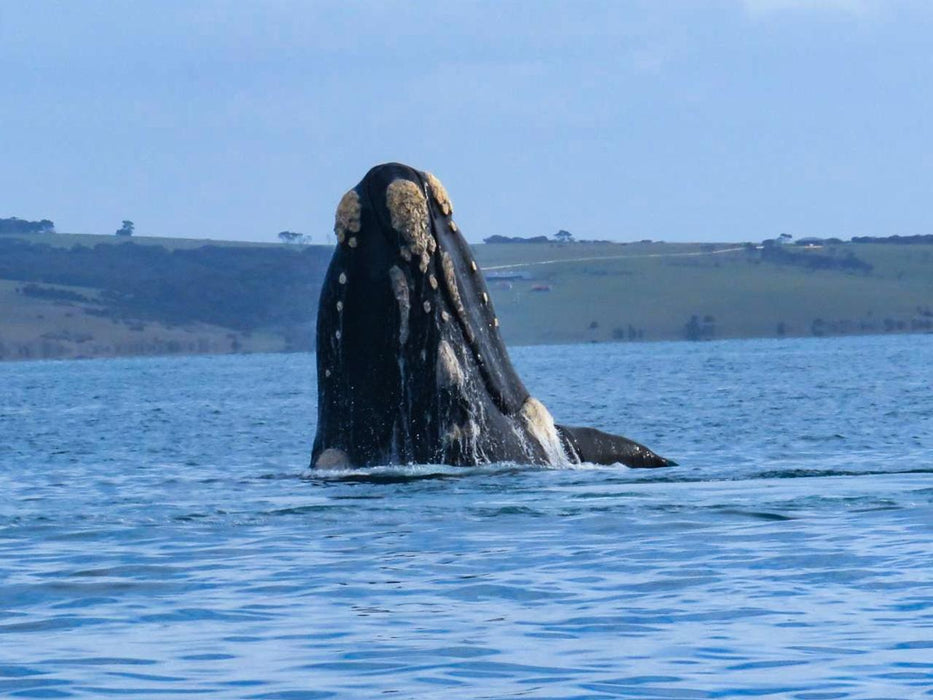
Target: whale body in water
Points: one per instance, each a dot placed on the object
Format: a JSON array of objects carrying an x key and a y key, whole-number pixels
[{"x": 411, "y": 365}]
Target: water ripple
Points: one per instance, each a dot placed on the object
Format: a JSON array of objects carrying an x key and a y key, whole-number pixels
[{"x": 164, "y": 537}]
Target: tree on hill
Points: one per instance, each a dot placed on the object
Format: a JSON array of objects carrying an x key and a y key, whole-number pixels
[
  {"x": 14, "y": 225},
  {"x": 924, "y": 238},
  {"x": 289, "y": 236},
  {"x": 127, "y": 228},
  {"x": 695, "y": 329},
  {"x": 564, "y": 236}
]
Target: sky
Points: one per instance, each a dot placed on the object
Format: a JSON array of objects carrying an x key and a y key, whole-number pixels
[{"x": 690, "y": 120}]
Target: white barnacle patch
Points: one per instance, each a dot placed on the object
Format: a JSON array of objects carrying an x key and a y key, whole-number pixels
[
  {"x": 333, "y": 458},
  {"x": 343, "y": 278},
  {"x": 408, "y": 210},
  {"x": 485, "y": 298},
  {"x": 337, "y": 334},
  {"x": 352, "y": 242},
  {"x": 540, "y": 425},
  {"x": 449, "y": 371},
  {"x": 450, "y": 279},
  {"x": 339, "y": 306},
  {"x": 432, "y": 280},
  {"x": 347, "y": 218},
  {"x": 427, "y": 307},
  {"x": 439, "y": 194},
  {"x": 473, "y": 266},
  {"x": 402, "y": 298},
  {"x": 326, "y": 372},
  {"x": 495, "y": 322},
  {"x": 445, "y": 317},
  {"x": 453, "y": 226}
]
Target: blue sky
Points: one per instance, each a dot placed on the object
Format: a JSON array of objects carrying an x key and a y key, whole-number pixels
[{"x": 680, "y": 121}]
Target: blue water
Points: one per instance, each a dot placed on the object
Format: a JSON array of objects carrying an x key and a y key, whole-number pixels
[{"x": 158, "y": 538}]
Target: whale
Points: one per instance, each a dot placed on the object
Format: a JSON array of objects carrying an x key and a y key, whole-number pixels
[{"x": 411, "y": 365}]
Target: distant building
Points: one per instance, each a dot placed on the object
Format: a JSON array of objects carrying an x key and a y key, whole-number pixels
[
  {"x": 810, "y": 242},
  {"x": 508, "y": 275}
]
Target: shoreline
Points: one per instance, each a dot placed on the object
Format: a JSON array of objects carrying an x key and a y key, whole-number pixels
[
  {"x": 62, "y": 299},
  {"x": 775, "y": 338}
]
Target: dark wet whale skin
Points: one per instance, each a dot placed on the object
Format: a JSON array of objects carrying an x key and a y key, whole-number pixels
[{"x": 411, "y": 364}]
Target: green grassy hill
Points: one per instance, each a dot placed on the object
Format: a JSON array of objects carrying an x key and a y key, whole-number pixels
[
  {"x": 42, "y": 327},
  {"x": 75, "y": 295},
  {"x": 61, "y": 297},
  {"x": 654, "y": 291}
]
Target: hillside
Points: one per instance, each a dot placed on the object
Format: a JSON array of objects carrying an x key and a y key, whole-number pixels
[
  {"x": 663, "y": 291},
  {"x": 88, "y": 296},
  {"x": 61, "y": 298}
]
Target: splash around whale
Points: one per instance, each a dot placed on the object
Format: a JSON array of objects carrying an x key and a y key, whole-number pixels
[{"x": 411, "y": 365}]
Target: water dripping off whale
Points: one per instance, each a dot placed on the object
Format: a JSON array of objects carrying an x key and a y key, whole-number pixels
[{"x": 411, "y": 365}]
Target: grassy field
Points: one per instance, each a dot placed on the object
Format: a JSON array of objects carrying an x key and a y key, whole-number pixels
[
  {"x": 655, "y": 290},
  {"x": 543, "y": 293}
]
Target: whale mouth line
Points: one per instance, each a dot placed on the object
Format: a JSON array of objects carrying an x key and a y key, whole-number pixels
[{"x": 472, "y": 307}]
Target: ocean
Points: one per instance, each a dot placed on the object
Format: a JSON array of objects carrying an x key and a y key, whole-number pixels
[{"x": 160, "y": 534}]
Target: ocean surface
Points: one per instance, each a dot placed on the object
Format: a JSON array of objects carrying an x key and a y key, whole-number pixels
[{"x": 160, "y": 535}]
